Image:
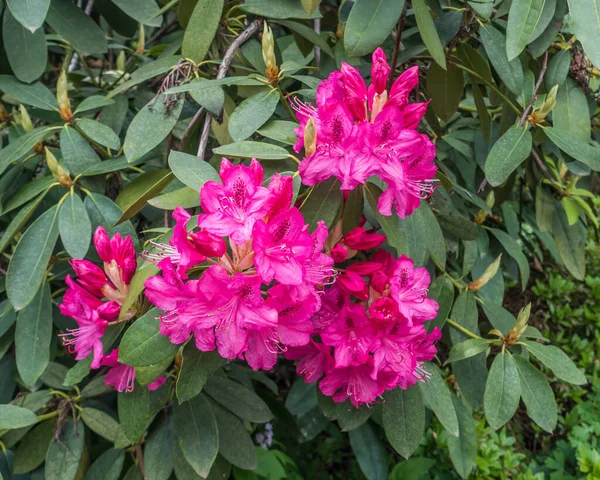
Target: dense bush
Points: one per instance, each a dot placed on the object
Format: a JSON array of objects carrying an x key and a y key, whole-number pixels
[{"x": 348, "y": 288}]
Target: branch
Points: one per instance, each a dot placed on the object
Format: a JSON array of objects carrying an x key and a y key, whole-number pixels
[
  {"x": 225, "y": 63},
  {"x": 317, "y": 29},
  {"x": 540, "y": 164},
  {"x": 535, "y": 90},
  {"x": 189, "y": 129},
  {"x": 397, "y": 45},
  {"x": 140, "y": 457}
]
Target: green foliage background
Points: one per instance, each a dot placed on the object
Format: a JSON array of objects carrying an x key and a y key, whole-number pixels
[{"x": 116, "y": 111}]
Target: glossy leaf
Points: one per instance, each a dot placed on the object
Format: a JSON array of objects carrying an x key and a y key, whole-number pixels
[
  {"x": 523, "y": 19},
  {"x": 237, "y": 399},
  {"x": 201, "y": 29},
  {"x": 369, "y": 452},
  {"x": 76, "y": 151},
  {"x": 428, "y": 33},
  {"x": 557, "y": 361},
  {"x": 135, "y": 195},
  {"x": 31, "y": 13},
  {"x": 322, "y": 203},
  {"x": 404, "y": 419},
  {"x": 65, "y": 452},
  {"x": 192, "y": 171},
  {"x": 248, "y": 149},
  {"x": 537, "y": 395},
  {"x": 74, "y": 226},
  {"x": 445, "y": 87},
  {"x": 502, "y": 391},
  {"x": 507, "y": 154},
  {"x": 195, "y": 369}
]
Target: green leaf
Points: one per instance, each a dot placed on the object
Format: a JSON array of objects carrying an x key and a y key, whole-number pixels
[
  {"x": 197, "y": 434},
  {"x": 109, "y": 166},
  {"x": 546, "y": 16},
  {"x": 31, "y": 452},
  {"x": 369, "y": 452},
  {"x": 210, "y": 98},
  {"x": 36, "y": 94},
  {"x": 537, "y": 395},
  {"x": 107, "y": 466},
  {"x": 586, "y": 23},
  {"x": 33, "y": 337},
  {"x": 428, "y": 33},
  {"x": 143, "y": 344},
  {"x": 544, "y": 209},
  {"x": 92, "y": 103},
  {"x": 432, "y": 233},
  {"x": 146, "y": 12},
  {"x": 404, "y": 419},
  {"x": 99, "y": 133},
  {"x": 196, "y": 86},
  {"x": 322, "y": 203},
  {"x": 77, "y": 373},
  {"x": 27, "y": 51},
  {"x": 27, "y": 192},
  {"x": 463, "y": 449},
  {"x": 457, "y": 225},
  {"x": 280, "y": 130},
  {"x": 101, "y": 423},
  {"x": 54, "y": 375},
  {"x": 251, "y": 114},
  {"x": 191, "y": 170},
  {"x": 570, "y": 241},
  {"x": 278, "y": 9},
  {"x": 103, "y": 211},
  {"x": 439, "y": 399},
  {"x": 134, "y": 412},
  {"x": 7, "y": 317},
  {"x": 71, "y": 23},
  {"x": 349, "y": 417},
  {"x": 31, "y": 13},
  {"x": 353, "y": 210},
  {"x": 557, "y": 361},
  {"x": 511, "y": 72},
  {"x": 558, "y": 68},
  {"x": 151, "y": 126},
  {"x": 16, "y": 417},
  {"x": 146, "y": 72},
  {"x": 575, "y": 147},
  {"x": 95, "y": 388},
  {"x": 502, "y": 391},
  {"x": 416, "y": 468},
  {"x": 507, "y": 154},
  {"x": 28, "y": 264},
  {"x": 310, "y": 5},
  {"x": 515, "y": 251},
  {"x": 77, "y": 152},
  {"x": 158, "y": 451},
  {"x": 135, "y": 195},
  {"x": 445, "y": 88},
  {"x": 467, "y": 349},
  {"x": 19, "y": 147},
  {"x": 500, "y": 318},
  {"x": 74, "y": 226},
  {"x": 201, "y": 29},
  {"x": 396, "y": 237},
  {"x": 523, "y": 19},
  {"x": 235, "y": 443},
  {"x": 146, "y": 375},
  {"x": 464, "y": 312},
  {"x": 442, "y": 291},
  {"x": 369, "y": 24},
  {"x": 238, "y": 399},
  {"x": 310, "y": 35},
  {"x": 185, "y": 197},
  {"x": 65, "y": 452},
  {"x": 248, "y": 149},
  {"x": 195, "y": 369},
  {"x": 571, "y": 115},
  {"x": 545, "y": 39}
]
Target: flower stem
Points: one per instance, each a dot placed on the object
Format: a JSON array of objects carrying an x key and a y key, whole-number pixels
[
  {"x": 47, "y": 416},
  {"x": 463, "y": 329}
]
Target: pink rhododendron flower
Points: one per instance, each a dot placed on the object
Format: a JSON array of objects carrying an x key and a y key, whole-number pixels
[
  {"x": 255, "y": 298},
  {"x": 369, "y": 334},
  {"x": 122, "y": 377},
  {"x": 361, "y": 132},
  {"x": 96, "y": 296}
]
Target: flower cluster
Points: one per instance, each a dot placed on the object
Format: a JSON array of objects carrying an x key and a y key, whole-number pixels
[
  {"x": 268, "y": 246},
  {"x": 95, "y": 299},
  {"x": 355, "y": 132},
  {"x": 369, "y": 335}
]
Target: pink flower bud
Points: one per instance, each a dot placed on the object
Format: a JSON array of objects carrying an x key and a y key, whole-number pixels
[
  {"x": 90, "y": 276},
  {"x": 380, "y": 70},
  {"x": 402, "y": 87},
  {"x": 102, "y": 244},
  {"x": 353, "y": 284},
  {"x": 208, "y": 244},
  {"x": 360, "y": 239},
  {"x": 339, "y": 253},
  {"x": 355, "y": 91}
]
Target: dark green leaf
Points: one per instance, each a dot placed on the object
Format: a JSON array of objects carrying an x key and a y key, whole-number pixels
[
  {"x": 457, "y": 225},
  {"x": 185, "y": 197},
  {"x": 570, "y": 242},
  {"x": 523, "y": 19},
  {"x": 7, "y": 316},
  {"x": 134, "y": 412},
  {"x": 575, "y": 147},
  {"x": 404, "y": 419},
  {"x": 197, "y": 434},
  {"x": 23, "y": 145},
  {"x": 391, "y": 225},
  {"x": 557, "y": 361},
  {"x": 537, "y": 395},
  {"x": 27, "y": 192},
  {"x": 36, "y": 95},
  {"x": 143, "y": 11},
  {"x": 322, "y": 203},
  {"x": 195, "y": 369},
  {"x": 586, "y": 23},
  {"x": 428, "y": 33},
  {"x": 442, "y": 291},
  {"x": 101, "y": 423},
  {"x": 238, "y": 399},
  {"x": 507, "y": 154},
  {"x": 143, "y": 344},
  {"x": 151, "y": 126},
  {"x": 558, "y": 68},
  {"x": 108, "y": 466},
  {"x": 99, "y": 133},
  {"x": 468, "y": 349},
  {"x": 31, "y": 452},
  {"x": 248, "y": 149},
  {"x": 158, "y": 451},
  {"x": 77, "y": 152},
  {"x": 463, "y": 449},
  {"x": 201, "y": 29},
  {"x": 369, "y": 452},
  {"x": 71, "y": 23},
  {"x": 280, "y": 130},
  {"x": 369, "y": 24},
  {"x": 571, "y": 114},
  {"x": 546, "y": 16},
  {"x": 146, "y": 72},
  {"x": 438, "y": 398},
  {"x": 16, "y": 417},
  {"x": 511, "y": 72},
  {"x": 251, "y": 114},
  {"x": 31, "y": 13},
  {"x": 502, "y": 391},
  {"x": 29, "y": 261},
  {"x": 278, "y": 9},
  {"x": 93, "y": 102},
  {"x": 445, "y": 88},
  {"x": 65, "y": 452},
  {"x": 312, "y": 36},
  {"x": 74, "y": 226},
  {"x": 103, "y": 211},
  {"x": 27, "y": 51},
  {"x": 515, "y": 251},
  {"x": 235, "y": 443},
  {"x": 191, "y": 170},
  {"x": 500, "y": 318},
  {"x": 135, "y": 195}
]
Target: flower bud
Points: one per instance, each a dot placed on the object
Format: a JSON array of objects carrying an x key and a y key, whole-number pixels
[
  {"x": 380, "y": 71},
  {"x": 62, "y": 96},
  {"x": 310, "y": 137},
  {"x": 141, "y": 44},
  {"x": 268, "y": 53},
  {"x": 57, "y": 171},
  {"x": 25, "y": 119},
  {"x": 4, "y": 115},
  {"x": 489, "y": 273},
  {"x": 538, "y": 116},
  {"x": 121, "y": 66}
]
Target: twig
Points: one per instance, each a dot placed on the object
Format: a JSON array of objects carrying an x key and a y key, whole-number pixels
[
  {"x": 397, "y": 44},
  {"x": 317, "y": 29},
  {"x": 225, "y": 63},
  {"x": 140, "y": 456},
  {"x": 540, "y": 164},
  {"x": 162, "y": 30},
  {"x": 535, "y": 90},
  {"x": 189, "y": 129}
]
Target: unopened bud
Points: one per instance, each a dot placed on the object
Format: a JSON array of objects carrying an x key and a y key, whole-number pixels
[
  {"x": 121, "y": 61},
  {"x": 482, "y": 214},
  {"x": 62, "y": 96},
  {"x": 4, "y": 115},
  {"x": 487, "y": 275},
  {"x": 523, "y": 318},
  {"x": 25, "y": 119},
  {"x": 538, "y": 116},
  {"x": 57, "y": 171},
  {"x": 310, "y": 137},
  {"x": 268, "y": 53},
  {"x": 141, "y": 45}
]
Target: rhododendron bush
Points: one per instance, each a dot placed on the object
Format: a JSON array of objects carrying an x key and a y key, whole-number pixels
[{"x": 230, "y": 228}]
